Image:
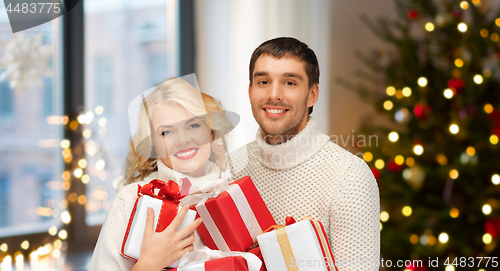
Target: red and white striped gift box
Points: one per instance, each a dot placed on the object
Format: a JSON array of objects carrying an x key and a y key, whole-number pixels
[{"x": 233, "y": 220}]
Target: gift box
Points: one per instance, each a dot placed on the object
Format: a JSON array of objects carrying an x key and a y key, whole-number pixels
[
  {"x": 224, "y": 264},
  {"x": 164, "y": 199},
  {"x": 298, "y": 246},
  {"x": 233, "y": 220},
  {"x": 256, "y": 251}
]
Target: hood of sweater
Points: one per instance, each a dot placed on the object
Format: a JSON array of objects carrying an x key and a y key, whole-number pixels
[{"x": 293, "y": 152}]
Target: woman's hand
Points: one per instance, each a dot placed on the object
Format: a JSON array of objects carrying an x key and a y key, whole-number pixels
[{"x": 161, "y": 249}]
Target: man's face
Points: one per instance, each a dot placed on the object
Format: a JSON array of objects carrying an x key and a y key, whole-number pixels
[{"x": 280, "y": 95}]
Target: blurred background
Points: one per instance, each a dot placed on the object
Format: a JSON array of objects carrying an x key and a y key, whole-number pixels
[{"x": 419, "y": 76}]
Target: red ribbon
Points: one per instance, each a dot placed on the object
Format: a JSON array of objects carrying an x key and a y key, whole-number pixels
[{"x": 169, "y": 191}]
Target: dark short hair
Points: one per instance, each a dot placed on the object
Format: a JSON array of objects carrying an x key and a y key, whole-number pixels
[{"x": 289, "y": 47}]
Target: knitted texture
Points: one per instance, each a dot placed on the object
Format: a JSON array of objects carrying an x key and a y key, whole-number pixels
[{"x": 310, "y": 175}]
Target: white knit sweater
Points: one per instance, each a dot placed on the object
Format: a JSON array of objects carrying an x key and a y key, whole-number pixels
[
  {"x": 310, "y": 175},
  {"x": 107, "y": 250}
]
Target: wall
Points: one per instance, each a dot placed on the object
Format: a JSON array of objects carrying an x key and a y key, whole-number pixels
[
  {"x": 227, "y": 32},
  {"x": 349, "y": 33}
]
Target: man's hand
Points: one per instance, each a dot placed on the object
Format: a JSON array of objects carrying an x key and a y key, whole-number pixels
[{"x": 161, "y": 249}]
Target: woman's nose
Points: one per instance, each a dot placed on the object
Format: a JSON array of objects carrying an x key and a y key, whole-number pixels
[{"x": 183, "y": 137}]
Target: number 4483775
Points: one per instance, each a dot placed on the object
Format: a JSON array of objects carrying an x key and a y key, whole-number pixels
[
  {"x": 34, "y": 7},
  {"x": 471, "y": 261}
]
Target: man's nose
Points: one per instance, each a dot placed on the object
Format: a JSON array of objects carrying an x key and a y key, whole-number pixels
[{"x": 275, "y": 92}]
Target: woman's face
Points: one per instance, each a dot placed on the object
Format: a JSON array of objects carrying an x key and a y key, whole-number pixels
[{"x": 182, "y": 142}]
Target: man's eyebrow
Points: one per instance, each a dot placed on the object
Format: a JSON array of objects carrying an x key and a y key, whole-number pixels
[
  {"x": 260, "y": 74},
  {"x": 291, "y": 74}
]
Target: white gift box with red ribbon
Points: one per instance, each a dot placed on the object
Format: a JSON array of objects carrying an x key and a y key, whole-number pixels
[{"x": 165, "y": 208}]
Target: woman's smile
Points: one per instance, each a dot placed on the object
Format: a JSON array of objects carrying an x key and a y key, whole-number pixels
[{"x": 186, "y": 154}]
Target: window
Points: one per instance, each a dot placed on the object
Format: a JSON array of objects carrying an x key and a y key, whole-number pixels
[
  {"x": 30, "y": 162},
  {"x": 104, "y": 81},
  {"x": 6, "y": 107},
  {"x": 157, "y": 68},
  {"x": 130, "y": 46},
  {"x": 48, "y": 97},
  {"x": 4, "y": 200}
]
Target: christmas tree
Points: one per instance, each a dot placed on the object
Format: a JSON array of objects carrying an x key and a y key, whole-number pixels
[{"x": 437, "y": 162}]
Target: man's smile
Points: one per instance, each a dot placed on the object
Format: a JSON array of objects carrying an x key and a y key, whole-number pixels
[{"x": 275, "y": 112}]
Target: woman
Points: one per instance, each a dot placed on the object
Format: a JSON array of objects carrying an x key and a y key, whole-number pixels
[{"x": 179, "y": 135}]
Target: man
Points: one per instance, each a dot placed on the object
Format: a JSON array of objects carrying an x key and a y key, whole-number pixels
[{"x": 297, "y": 169}]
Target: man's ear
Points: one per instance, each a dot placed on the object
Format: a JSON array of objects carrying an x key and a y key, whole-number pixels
[
  {"x": 313, "y": 95},
  {"x": 249, "y": 90}
]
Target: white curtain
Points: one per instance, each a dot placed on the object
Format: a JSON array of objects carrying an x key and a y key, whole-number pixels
[{"x": 227, "y": 32}]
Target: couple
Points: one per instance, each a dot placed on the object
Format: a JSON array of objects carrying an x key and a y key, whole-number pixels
[{"x": 298, "y": 171}]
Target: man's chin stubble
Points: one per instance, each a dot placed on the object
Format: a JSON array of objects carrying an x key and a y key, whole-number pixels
[{"x": 282, "y": 136}]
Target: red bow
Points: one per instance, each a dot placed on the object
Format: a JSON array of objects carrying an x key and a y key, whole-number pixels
[
  {"x": 169, "y": 191},
  {"x": 289, "y": 220}
]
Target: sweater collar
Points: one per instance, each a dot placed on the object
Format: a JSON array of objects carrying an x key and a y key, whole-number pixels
[
  {"x": 294, "y": 151},
  {"x": 211, "y": 172}
]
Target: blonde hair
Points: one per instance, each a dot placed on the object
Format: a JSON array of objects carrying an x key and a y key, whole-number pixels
[{"x": 142, "y": 160}]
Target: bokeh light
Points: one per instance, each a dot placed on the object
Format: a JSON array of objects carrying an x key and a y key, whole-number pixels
[
  {"x": 486, "y": 209},
  {"x": 390, "y": 90},
  {"x": 422, "y": 81},
  {"x": 478, "y": 79},
  {"x": 393, "y": 136},
  {"x": 418, "y": 149},
  {"x": 462, "y": 27},
  {"x": 407, "y": 211},
  {"x": 429, "y": 26}
]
